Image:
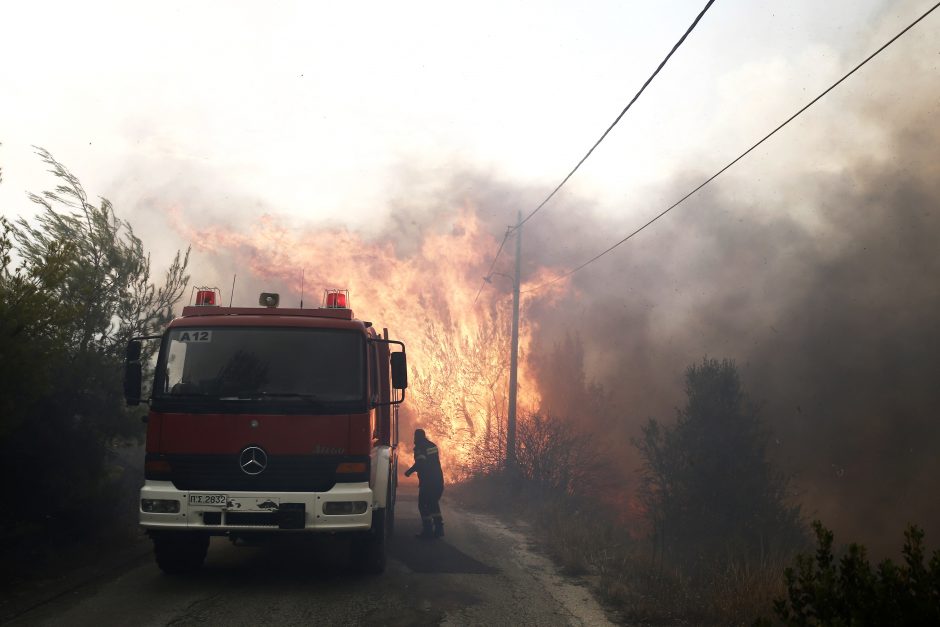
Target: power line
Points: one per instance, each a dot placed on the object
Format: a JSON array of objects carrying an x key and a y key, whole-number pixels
[
  {"x": 739, "y": 157},
  {"x": 489, "y": 272},
  {"x": 596, "y": 144},
  {"x": 622, "y": 113}
]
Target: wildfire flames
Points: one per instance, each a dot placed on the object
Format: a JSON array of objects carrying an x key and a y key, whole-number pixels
[{"x": 458, "y": 350}]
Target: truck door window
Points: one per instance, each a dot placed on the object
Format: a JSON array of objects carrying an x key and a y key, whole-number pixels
[{"x": 374, "y": 369}]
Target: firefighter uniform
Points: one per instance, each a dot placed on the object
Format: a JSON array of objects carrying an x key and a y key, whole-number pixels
[{"x": 430, "y": 485}]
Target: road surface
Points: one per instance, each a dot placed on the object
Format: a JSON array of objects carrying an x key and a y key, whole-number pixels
[{"x": 482, "y": 573}]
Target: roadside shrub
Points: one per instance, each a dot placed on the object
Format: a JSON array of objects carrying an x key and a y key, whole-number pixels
[
  {"x": 849, "y": 592},
  {"x": 708, "y": 485},
  {"x": 554, "y": 457},
  {"x": 75, "y": 285}
]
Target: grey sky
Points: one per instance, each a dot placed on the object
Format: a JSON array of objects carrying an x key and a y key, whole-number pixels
[{"x": 313, "y": 108}]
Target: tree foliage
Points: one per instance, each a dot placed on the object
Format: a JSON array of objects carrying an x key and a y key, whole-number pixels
[
  {"x": 31, "y": 324},
  {"x": 708, "y": 486},
  {"x": 849, "y": 592},
  {"x": 554, "y": 457},
  {"x": 79, "y": 288},
  {"x": 108, "y": 281}
]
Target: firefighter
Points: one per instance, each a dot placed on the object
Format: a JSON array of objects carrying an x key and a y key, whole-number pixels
[{"x": 430, "y": 485}]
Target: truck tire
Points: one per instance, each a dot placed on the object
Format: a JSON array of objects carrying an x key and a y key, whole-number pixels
[
  {"x": 390, "y": 511},
  {"x": 368, "y": 550},
  {"x": 178, "y": 553}
]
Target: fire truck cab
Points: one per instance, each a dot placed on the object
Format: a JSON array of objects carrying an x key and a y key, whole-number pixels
[{"x": 266, "y": 420}]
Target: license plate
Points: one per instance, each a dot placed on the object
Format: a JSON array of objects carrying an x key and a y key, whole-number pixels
[{"x": 208, "y": 500}]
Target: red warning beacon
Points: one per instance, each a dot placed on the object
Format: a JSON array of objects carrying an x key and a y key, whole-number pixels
[
  {"x": 336, "y": 299},
  {"x": 207, "y": 296}
]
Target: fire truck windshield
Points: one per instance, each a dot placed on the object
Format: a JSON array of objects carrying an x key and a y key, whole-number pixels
[{"x": 246, "y": 364}]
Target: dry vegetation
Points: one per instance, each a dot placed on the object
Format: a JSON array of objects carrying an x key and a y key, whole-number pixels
[
  {"x": 715, "y": 531},
  {"x": 589, "y": 539}
]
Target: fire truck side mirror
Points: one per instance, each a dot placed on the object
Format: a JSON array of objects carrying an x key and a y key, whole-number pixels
[
  {"x": 133, "y": 351},
  {"x": 132, "y": 373},
  {"x": 132, "y": 382},
  {"x": 399, "y": 371}
]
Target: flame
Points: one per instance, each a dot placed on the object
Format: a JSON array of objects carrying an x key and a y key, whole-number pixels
[{"x": 458, "y": 350}]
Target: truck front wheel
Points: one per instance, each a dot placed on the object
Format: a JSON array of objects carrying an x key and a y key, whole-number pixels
[
  {"x": 368, "y": 550},
  {"x": 178, "y": 553},
  {"x": 390, "y": 509}
]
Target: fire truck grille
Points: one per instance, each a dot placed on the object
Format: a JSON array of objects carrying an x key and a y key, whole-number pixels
[
  {"x": 253, "y": 519},
  {"x": 282, "y": 474}
]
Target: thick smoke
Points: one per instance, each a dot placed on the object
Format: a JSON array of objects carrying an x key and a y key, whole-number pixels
[{"x": 832, "y": 321}]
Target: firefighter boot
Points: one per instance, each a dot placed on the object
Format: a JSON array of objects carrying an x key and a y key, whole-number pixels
[
  {"x": 426, "y": 532},
  {"x": 438, "y": 527}
]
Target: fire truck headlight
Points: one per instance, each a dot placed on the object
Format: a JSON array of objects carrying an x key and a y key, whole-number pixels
[
  {"x": 159, "y": 506},
  {"x": 335, "y": 508}
]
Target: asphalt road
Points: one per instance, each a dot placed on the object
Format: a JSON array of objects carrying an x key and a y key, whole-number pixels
[{"x": 483, "y": 573}]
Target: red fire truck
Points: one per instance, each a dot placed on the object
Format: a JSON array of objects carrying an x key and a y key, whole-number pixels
[{"x": 267, "y": 420}]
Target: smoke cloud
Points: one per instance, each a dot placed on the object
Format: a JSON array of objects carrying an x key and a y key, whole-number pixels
[{"x": 829, "y": 312}]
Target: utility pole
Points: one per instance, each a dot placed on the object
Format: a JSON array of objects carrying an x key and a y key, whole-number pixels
[{"x": 514, "y": 358}]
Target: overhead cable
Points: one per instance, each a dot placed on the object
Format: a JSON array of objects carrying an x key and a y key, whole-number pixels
[
  {"x": 596, "y": 144},
  {"x": 739, "y": 157},
  {"x": 622, "y": 113},
  {"x": 489, "y": 272}
]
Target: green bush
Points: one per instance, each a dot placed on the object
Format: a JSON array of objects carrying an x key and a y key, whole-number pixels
[
  {"x": 710, "y": 490},
  {"x": 75, "y": 285},
  {"x": 849, "y": 592}
]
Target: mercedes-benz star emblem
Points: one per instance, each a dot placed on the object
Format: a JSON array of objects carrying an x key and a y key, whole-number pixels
[{"x": 253, "y": 460}]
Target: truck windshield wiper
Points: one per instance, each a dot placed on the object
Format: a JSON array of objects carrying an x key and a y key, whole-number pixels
[
  {"x": 246, "y": 396},
  {"x": 190, "y": 395}
]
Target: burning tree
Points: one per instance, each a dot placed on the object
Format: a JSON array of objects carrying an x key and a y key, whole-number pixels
[
  {"x": 461, "y": 386},
  {"x": 709, "y": 489}
]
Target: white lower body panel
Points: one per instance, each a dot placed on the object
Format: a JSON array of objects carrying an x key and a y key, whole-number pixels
[{"x": 252, "y": 511}]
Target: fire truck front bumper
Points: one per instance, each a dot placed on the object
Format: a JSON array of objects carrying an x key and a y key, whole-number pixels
[{"x": 346, "y": 507}]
